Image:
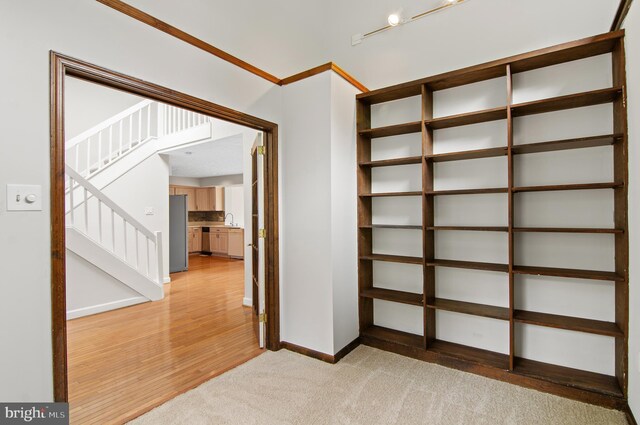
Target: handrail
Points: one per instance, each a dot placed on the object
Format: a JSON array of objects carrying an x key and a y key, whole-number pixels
[
  {"x": 105, "y": 124},
  {"x": 108, "y": 202}
]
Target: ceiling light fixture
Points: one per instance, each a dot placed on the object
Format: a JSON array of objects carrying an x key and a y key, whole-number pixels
[{"x": 394, "y": 19}]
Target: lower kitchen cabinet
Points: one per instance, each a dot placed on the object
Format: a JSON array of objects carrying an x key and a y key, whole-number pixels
[
  {"x": 219, "y": 241},
  {"x": 236, "y": 243}
]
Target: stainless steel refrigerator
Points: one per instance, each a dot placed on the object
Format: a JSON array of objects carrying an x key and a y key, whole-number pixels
[{"x": 178, "y": 250}]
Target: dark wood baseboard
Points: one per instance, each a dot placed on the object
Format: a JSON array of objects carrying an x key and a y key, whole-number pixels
[
  {"x": 346, "y": 350},
  {"x": 328, "y": 358},
  {"x": 578, "y": 394},
  {"x": 629, "y": 414}
]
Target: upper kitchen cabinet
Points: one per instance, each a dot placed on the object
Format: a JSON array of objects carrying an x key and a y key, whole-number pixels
[
  {"x": 201, "y": 198},
  {"x": 205, "y": 199},
  {"x": 191, "y": 196}
]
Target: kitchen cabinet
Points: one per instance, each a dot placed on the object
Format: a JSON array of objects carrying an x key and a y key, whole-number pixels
[
  {"x": 219, "y": 241},
  {"x": 191, "y": 196},
  {"x": 218, "y": 194},
  {"x": 194, "y": 239},
  {"x": 205, "y": 199},
  {"x": 201, "y": 198},
  {"x": 235, "y": 243}
]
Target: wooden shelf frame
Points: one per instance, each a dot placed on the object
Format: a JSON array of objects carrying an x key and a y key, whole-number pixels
[{"x": 605, "y": 390}]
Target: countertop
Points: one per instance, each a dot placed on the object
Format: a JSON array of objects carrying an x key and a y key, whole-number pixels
[{"x": 211, "y": 224}]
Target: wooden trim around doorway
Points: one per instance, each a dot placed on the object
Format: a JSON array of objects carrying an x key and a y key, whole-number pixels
[{"x": 62, "y": 66}]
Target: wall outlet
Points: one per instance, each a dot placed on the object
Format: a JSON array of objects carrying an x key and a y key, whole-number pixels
[{"x": 148, "y": 211}]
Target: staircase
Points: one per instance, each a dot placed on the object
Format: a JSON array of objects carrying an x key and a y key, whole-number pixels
[{"x": 100, "y": 231}]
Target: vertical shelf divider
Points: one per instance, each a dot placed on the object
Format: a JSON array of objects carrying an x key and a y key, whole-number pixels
[
  {"x": 510, "y": 203},
  {"x": 365, "y": 235},
  {"x": 428, "y": 235},
  {"x": 620, "y": 173}
]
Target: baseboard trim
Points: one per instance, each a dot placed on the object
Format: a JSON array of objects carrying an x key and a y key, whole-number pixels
[
  {"x": 167, "y": 280},
  {"x": 101, "y": 308},
  {"x": 247, "y": 302},
  {"x": 307, "y": 352},
  {"x": 328, "y": 358},
  {"x": 629, "y": 414},
  {"x": 346, "y": 350}
]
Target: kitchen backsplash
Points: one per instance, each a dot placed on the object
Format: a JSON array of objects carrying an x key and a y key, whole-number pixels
[{"x": 206, "y": 216}]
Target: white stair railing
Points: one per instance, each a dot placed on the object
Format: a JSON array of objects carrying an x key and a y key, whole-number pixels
[
  {"x": 99, "y": 218},
  {"x": 100, "y": 146},
  {"x": 178, "y": 119}
]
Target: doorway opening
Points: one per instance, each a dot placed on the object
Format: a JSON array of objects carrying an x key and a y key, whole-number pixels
[{"x": 70, "y": 192}]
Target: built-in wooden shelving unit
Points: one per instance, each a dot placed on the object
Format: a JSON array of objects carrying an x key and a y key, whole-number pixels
[{"x": 578, "y": 384}]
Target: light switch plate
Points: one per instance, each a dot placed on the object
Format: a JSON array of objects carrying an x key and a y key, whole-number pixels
[{"x": 17, "y": 197}]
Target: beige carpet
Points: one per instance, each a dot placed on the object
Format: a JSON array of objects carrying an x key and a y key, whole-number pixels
[{"x": 368, "y": 386}]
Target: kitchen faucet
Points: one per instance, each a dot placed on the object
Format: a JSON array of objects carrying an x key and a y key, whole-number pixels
[{"x": 231, "y": 223}]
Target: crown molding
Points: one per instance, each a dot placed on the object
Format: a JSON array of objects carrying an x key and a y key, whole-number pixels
[{"x": 150, "y": 20}]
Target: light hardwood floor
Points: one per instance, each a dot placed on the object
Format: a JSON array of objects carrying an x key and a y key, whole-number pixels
[{"x": 124, "y": 362}]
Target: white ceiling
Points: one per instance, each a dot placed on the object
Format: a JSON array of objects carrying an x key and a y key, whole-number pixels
[
  {"x": 220, "y": 157},
  {"x": 284, "y": 37}
]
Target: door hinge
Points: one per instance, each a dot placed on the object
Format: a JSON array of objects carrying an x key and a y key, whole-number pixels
[
  {"x": 262, "y": 150},
  {"x": 262, "y": 317},
  {"x": 262, "y": 233}
]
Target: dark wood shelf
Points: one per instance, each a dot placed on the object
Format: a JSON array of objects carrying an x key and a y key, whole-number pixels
[
  {"x": 391, "y": 335},
  {"x": 392, "y": 295},
  {"x": 464, "y": 155},
  {"x": 565, "y": 230},
  {"x": 582, "y": 186},
  {"x": 597, "y": 327},
  {"x": 578, "y": 100},
  {"x": 468, "y": 191},
  {"x": 491, "y": 311},
  {"x": 469, "y": 265},
  {"x": 392, "y": 226},
  {"x": 470, "y": 354},
  {"x": 385, "y": 194},
  {"x": 469, "y": 118},
  {"x": 575, "y": 378},
  {"x": 392, "y": 130},
  {"x": 393, "y": 162},
  {"x": 392, "y": 258},
  {"x": 570, "y": 273},
  {"x": 558, "y": 145},
  {"x": 471, "y": 228}
]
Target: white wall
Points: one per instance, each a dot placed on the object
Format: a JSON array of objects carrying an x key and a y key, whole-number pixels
[
  {"x": 234, "y": 203},
  {"x": 632, "y": 40},
  {"x": 319, "y": 273},
  {"x": 306, "y": 274},
  {"x": 184, "y": 181},
  {"x": 87, "y": 30},
  {"x": 344, "y": 222},
  {"x": 88, "y": 104},
  {"x": 471, "y": 33},
  {"x": 127, "y": 191},
  {"x": 91, "y": 291}
]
